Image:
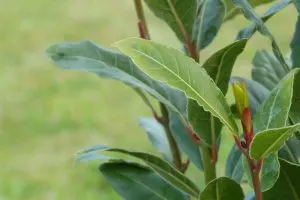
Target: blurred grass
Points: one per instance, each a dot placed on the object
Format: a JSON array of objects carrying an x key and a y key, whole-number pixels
[{"x": 47, "y": 114}]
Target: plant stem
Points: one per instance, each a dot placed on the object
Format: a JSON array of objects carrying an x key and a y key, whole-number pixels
[
  {"x": 173, "y": 145},
  {"x": 209, "y": 165},
  {"x": 256, "y": 179},
  {"x": 142, "y": 25}
]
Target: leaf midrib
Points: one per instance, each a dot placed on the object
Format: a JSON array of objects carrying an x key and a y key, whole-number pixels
[{"x": 189, "y": 86}]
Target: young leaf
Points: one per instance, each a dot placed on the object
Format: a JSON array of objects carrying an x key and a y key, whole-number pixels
[
  {"x": 273, "y": 113},
  {"x": 163, "y": 168},
  {"x": 179, "y": 71},
  {"x": 257, "y": 93},
  {"x": 211, "y": 19},
  {"x": 288, "y": 185},
  {"x": 135, "y": 182},
  {"x": 234, "y": 167},
  {"x": 232, "y": 11},
  {"x": 295, "y": 43},
  {"x": 157, "y": 136},
  {"x": 222, "y": 189},
  {"x": 179, "y": 15},
  {"x": 184, "y": 141},
  {"x": 251, "y": 15},
  {"x": 88, "y": 57},
  {"x": 270, "y": 141},
  {"x": 252, "y": 28},
  {"x": 219, "y": 67}
]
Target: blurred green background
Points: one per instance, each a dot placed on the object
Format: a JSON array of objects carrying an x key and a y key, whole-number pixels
[{"x": 47, "y": 114}]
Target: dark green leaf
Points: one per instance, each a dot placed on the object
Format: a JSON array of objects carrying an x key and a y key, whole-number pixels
[
  {"x": 88, "y": 57},
  {"x": 181, "y": 72},
  {"x": 211, "y": 19},
  {"x": 222, "y": 189},
  {"x": 297, "y": 5},
  {"x": 157, "y": 136},
  {"x": 163, "y": 168},
  {"x": 252, "y": 28},
  {"x": 234, "y": 167},
  {"x": 135, "y": 182},
  {"x": 184, "y": 141},
  {"x": 288, "y": 185},
  {"x": 179, "y": 15},
  {"x": 291, "y": 150},
  {"x": 267, "y": 70},
  {"x": 295, "y": 45},
  {"x": 251, "y": 15}
]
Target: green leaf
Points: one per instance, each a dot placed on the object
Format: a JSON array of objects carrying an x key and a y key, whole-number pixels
[
  {"x": 157, "y": 136},
  {"x": 234, "y": 167},
  {"x": 179, "y": 15},
  {"x": 219, "y": 67},
  {"x": 134, "y": 182},
  {"x": 163, "y": 168},
  {"x": 270, "y": 141},
  {"x": 222, "y": 189},
  {"x": 288, "y": 185},
  {"x": 211, "y": 19},
  {"x": 88, "y": 57},
  {"x": 232, "y": 11},
  {"x": 295, "y": 45},
  {"x": 267, "y": 70},
  {"x": 297, "y": 5},
  {"x": 248, "y": 31},
  {"x": 179, "y": 71},
  {"x": 184, "y": 141},
  {"x": 273, "y": 113},
  {"x": 291, "y": 150},
  {"x": 251, "y": 15}
]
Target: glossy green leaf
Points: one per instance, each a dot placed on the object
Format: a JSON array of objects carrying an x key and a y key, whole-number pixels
[
  {"x": 297, "y": 5},
  {"x": 184, "y": 141},
  {"x": 295, "y": 45},
  {"x": 234, "y": 167},
  {"x": 135, "y": 182},
  {"x": 179, "y": 15},
  {"x": 219, "y": 67},
  {"x": 179, "y": 71},
  {"x": 248, "y": 31},
  {"x": 211, "y": 19},
  {"x": 163, "y": 168},
  {"x": 222, "y": 189},
  {"x": 273, "y": 113},
  {"x": 232, "y": 11},
  {"x": 157, "y": 136},
  {"x": 249, "y": 13},
  {"x": 288, "y": 185},
  {"x": 88, "y": 57},
  {"x": 291, "y": 151},
  {"x": 270, "y": 141}
]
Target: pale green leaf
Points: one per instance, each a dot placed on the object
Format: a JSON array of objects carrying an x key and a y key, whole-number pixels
[
  {"x": 157, "y": 136},
  {"x": 222, "y": 189},
  {"x": 174, "y": 68},
  {"x": 270, "y": 141},
  {"x": 135, "y": 182},
  {"x": 88, "y": 57}
]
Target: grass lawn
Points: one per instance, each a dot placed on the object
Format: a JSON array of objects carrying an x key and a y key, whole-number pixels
[{"x": 47, "y": 114}]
